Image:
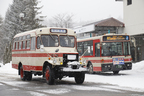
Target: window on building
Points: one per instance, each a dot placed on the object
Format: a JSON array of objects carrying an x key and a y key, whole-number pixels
[{"x": 129, "y": 2}]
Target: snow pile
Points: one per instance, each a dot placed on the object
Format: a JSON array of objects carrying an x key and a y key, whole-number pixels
[
  {"x": 7, "y": 68},
  {"x": 138, "y": 67}
]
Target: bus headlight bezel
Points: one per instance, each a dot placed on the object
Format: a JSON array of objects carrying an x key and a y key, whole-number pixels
[{"x": 54, "y": 61}]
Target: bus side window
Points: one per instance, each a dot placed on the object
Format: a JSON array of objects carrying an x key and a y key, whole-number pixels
[
  {"x": 97, "y": 49},
  {"x": 90, "y": 45},
  {"x": 16, "y": 45},
  {"x": 33, "y": 39},
  {"x": 28, "y": 42},
  {"x": 23, "y": 42},
  {"x": 80, "y": 48},
  {"x": 38, "y": 42},
  {"x": 13, "y": 44},
  {"x": 20, "y": 44}
]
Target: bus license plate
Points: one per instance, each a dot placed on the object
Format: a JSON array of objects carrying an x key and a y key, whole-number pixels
[
  {"x": 118, "y": 61},
  {"x": 71, "y": 57}
]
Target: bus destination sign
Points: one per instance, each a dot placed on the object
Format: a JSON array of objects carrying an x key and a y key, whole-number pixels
[
  {"x": 58, "y": 30},
  {"x": 115, "y": 38}
]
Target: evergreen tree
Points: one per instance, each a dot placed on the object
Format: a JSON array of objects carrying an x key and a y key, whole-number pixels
[
  {"x": 1, "y": 20},
  {"x": 14, "y": 24},
  {"x": 1, "y": 34}
]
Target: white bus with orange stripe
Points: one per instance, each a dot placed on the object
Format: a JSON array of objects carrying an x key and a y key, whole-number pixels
[
  {"x": 110, "y": 52},
  {"x": 51, "y": 52}
]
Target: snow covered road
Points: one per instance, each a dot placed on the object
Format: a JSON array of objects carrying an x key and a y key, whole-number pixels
[{"x": 126, "y": 83}]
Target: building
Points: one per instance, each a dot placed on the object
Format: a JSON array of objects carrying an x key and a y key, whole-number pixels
[
  {"x": 134, "y": 24},
  {"x": 110, "y": 25}
]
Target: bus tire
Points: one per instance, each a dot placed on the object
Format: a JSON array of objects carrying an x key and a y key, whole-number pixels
[
  {"x": 90, "y": 68},
  {"x": 79, "y": 78},
  {"x": 29, "y": 76},
  {"x": 22, "y": 74},
  {"x": 115, "y": 72},
  {"x": 49, "y": 75}
]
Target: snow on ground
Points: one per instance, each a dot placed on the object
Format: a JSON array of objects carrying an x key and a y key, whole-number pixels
[{"x": 130, "y": 79}]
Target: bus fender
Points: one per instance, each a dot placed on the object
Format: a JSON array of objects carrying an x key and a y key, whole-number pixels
[
  {"x": 50, "y": 61},
  {"x": 89, "y": 62},
  {"x": 46, "y": 63}
]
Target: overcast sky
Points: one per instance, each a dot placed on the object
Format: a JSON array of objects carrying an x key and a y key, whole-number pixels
[{"x": 83, "y": 10}]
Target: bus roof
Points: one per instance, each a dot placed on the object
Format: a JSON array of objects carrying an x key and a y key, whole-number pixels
[
  {"x": 100, "y": 37},
  {"x": 47, "y": 30}
]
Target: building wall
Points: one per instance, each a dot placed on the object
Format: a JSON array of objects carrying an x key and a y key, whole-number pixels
[
  {"x": 134, "y": 17},
  {"x": 120, "y": 30}
]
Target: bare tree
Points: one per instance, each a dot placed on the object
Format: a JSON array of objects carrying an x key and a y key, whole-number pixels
[{"x": 62, "y": 20}]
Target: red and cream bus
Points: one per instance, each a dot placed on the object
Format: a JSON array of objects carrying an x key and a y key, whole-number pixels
[
  {"x": 51, "y": 52},
  {"x": 110, "y": 52}
]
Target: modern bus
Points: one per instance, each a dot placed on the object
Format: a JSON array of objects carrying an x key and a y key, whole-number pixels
[
  {"x": 50, "y": 52},
  {"x": 109, "y": 52}
]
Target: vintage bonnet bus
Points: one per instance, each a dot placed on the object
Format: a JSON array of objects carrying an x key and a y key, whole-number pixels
[
  {"x": 110, "y": 52},
  {"x": 51, "y": 52}
]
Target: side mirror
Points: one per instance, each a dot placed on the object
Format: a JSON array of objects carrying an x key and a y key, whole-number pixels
[
  {"x": 88, "y": 49},
  {"x": 56, "y": 50},
  {"x": 42, "y": 48}
]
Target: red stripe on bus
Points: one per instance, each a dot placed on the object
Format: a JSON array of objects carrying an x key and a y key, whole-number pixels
[
  {"x": 15, "y": 66},
  {"x": 97, "y": 69},
  {"x": 30, "y": 55},
  {"x": 106, "y": 61},
  {"x": 32, "y": 68},
  {"x": 28, "y": 67},
  {"x": 129, "y": 59},
  {"x": 40, "y": 55}
]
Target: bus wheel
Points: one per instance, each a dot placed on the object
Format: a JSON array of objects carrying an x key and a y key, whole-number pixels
[
  {"x": 22, "y": 74},
  {"x": 115, "y": 72},
  {"x": 29, "y": 76},
  {"x": 79, "y": 78},
  {"x": 49, "y": 75},
  {"x": 90, "y": 69}
]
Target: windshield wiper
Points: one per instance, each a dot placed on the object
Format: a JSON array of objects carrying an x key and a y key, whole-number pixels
[
  {"x": 52, "y": 37},
  {"x": 68, "y": 37}
]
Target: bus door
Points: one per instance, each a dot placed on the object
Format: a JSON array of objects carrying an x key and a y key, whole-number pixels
[
  {"x": 96, "y": 44},
  {"x": 97, "y": 63}
]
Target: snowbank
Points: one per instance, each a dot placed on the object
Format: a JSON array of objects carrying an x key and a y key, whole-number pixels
[{"x": 7, "y": 68}]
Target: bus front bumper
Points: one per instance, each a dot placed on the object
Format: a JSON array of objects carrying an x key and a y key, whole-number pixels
[
  {"x": 111, "y": 67},
  {"x": 74, "y": 67}
]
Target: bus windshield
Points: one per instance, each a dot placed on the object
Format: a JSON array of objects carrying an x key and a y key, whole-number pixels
[
  {"x": 50, "y": 40},
  {"x": 67, "y": 41},
  {"x": 53, "y": 41},
  {"x": 115, "y": 48}
]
